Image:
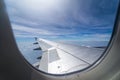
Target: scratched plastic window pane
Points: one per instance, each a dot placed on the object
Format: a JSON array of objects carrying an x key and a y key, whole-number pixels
[{"x": 62, "y": 36}]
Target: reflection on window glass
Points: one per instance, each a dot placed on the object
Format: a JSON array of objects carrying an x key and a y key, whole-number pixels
[{"x": 62, "y": 36}]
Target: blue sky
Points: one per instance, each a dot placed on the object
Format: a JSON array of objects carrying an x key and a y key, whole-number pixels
[{"x": 84, "y": 20}]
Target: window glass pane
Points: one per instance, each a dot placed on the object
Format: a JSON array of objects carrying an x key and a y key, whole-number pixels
[{"x": 62, "y": 36}]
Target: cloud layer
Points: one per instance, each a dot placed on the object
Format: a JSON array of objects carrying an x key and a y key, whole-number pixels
[{"x": 59, "y": 19}]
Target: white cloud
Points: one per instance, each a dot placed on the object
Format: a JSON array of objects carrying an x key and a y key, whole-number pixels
[
  {"x": 20, "y": 29},
  {"x": 31, "y": 30},
  {"x": 57, "y": 17},
  {"x": 96, "y": 37}
]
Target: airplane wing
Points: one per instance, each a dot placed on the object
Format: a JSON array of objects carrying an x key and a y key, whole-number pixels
[{"x": 59, "y": 58}]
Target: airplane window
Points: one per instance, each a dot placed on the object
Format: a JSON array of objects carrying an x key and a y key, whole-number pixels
[{"x": 62, "y": 36}]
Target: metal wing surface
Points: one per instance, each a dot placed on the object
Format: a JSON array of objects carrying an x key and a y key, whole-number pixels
[{"x": 60, "y": 58}]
